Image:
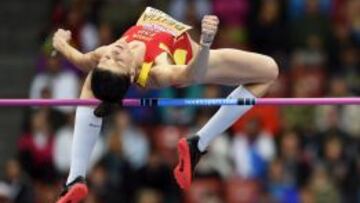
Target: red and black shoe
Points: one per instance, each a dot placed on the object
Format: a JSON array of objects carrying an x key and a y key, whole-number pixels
[
  {"x": 74, "y": 192},
  {"x": 189, "y": 156}
]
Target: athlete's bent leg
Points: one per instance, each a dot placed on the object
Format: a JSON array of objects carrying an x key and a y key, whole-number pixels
[
  {"x": 255, "y": 71},
  {"x": 232, "y": 67}
]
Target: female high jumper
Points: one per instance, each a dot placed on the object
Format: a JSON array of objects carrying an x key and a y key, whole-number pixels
[{"x": 155, "y": 53}]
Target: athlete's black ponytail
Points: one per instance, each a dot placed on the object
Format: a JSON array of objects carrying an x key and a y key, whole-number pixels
[{"x": 110, "y": 88}]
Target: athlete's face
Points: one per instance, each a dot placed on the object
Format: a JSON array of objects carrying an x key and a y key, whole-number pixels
[{"x": 118, "y": 59}]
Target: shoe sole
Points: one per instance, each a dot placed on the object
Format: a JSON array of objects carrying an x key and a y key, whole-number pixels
[
  {"x": 77, "y": 193},
  {"x": 183, "y": 177}
]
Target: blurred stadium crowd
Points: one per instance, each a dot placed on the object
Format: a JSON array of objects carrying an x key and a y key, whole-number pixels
[{"x": 273, "y": 154}]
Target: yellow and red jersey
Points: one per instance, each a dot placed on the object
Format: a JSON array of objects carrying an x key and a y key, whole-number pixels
[{"x": 160, "y": 33}]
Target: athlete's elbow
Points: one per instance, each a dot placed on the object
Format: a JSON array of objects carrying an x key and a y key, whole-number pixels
[
  {"x": 192, "y": 78},
  {"x": 189, "y": 77},
  {"x": 272, "y": 68},
  {"x": 181, "y": 79},
  {"x": 186, "y": 79}
]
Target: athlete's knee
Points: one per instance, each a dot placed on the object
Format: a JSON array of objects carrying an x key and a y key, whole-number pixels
[{"x": 271, "y": 68}]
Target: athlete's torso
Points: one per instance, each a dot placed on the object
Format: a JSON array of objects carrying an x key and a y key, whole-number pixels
[{"x": 166, "y": 41}]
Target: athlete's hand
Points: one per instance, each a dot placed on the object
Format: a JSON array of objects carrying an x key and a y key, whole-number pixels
[
  {"x": 61, "y": 38},
  {"x": 209, "y": 27}
]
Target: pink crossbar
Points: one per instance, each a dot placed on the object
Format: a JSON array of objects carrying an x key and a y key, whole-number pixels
[
  {"x": 184, "y": 101},
  {"x": 309, "y": 101}
]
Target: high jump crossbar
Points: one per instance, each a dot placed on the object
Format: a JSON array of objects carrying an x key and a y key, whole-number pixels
[{"x": 168, "y": 102}]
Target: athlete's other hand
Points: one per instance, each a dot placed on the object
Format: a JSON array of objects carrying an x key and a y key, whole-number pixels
[
  {"x": 61, "y": 38},
  {"x": 209, "y": 27}
]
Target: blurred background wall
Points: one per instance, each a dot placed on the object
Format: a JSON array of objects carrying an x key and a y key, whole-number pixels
[{"x": 19, "y": 46}]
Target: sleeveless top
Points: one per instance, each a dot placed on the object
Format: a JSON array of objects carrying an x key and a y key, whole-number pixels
[{"x": 160, "y": 33}]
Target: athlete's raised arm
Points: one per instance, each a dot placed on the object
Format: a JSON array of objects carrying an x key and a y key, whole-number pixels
[
  {"x": 84, "y": 61},
  {"x": 198, "y": 66},
  {"x": 195, "y": 71}
]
